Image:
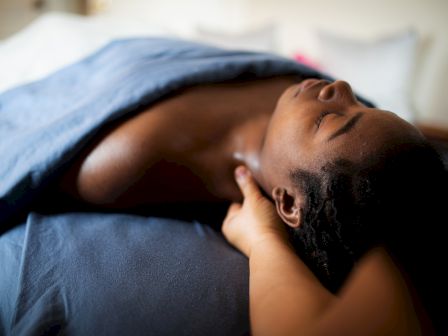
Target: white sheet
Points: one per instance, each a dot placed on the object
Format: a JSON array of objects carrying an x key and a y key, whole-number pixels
[{"x": 58, "y": 39}]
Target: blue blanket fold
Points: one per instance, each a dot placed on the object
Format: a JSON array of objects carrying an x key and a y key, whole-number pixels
[{"x": 46, "y": 123}]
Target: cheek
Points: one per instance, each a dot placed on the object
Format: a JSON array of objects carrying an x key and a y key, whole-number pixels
[
  {"x": 290, "y": 138},
  {"x": 281, "y": 149},
  {"x": 272, "y": 159}
]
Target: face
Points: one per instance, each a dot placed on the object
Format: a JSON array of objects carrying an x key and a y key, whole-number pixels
[{"x": 316, "y": 121}]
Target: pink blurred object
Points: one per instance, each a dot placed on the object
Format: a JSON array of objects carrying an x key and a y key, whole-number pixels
[{"x": 301, "y": 58}]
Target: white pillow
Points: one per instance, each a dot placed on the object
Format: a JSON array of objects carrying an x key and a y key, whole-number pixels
[
  {"x": 381, "y": 70},
  {"x": 263, "y": 39}
]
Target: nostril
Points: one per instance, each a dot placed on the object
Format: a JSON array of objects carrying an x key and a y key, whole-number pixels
[{"x": 327, "y": 92}]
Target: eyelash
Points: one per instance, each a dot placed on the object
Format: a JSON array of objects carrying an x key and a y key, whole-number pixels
[{"x": 321, "y": 117}]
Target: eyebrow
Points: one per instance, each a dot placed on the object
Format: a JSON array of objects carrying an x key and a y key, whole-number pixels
[{"x": 347, "y": 126}]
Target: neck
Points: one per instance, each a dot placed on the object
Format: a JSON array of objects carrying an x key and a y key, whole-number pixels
[{"x": 247, "y": 143}]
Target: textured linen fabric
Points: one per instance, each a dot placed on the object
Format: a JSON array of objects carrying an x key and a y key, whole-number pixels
[
  {"x": 116, "y": 274},
  {"x": 92, "y": 273}
]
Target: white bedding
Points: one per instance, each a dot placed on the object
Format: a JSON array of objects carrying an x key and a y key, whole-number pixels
[{"x": 57, "y": 39}]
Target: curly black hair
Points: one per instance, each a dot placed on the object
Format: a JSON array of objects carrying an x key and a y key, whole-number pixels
[{"x": 395, "y": 199}]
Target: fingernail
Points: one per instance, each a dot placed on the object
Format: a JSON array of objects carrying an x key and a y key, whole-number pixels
[{"x": 241, "y": 174}]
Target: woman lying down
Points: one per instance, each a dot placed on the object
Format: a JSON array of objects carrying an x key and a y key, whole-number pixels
[{"x": 336, "y": 203}]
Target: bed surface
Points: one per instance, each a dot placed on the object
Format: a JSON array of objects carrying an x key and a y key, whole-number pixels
[{"x": 116, "y": 274}]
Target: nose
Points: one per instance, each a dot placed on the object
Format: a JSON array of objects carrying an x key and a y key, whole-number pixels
[{"x": 338, "y": 90}]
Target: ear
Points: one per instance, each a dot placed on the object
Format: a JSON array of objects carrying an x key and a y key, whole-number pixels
[{"x": 288, "y": 206}]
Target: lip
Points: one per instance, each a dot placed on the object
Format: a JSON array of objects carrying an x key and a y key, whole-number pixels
[{"x": 308, "y": 84}]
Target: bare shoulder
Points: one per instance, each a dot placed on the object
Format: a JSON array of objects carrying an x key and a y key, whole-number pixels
[
  {"x": 376, "y": 300},
  {"x": 116, "y": 156}
]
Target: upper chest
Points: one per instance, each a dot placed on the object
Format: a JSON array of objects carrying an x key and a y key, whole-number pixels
[{"x": 189, "y": 140}]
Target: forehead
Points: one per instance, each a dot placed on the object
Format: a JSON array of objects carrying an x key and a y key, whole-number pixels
[
  {"x": 294, "y": 142},
  {"x": 376, "y": 131}
]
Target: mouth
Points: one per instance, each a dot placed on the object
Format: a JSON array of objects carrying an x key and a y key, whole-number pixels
[{"x": 308, "y": 84}]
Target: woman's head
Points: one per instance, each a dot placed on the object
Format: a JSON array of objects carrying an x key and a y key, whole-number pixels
[
  {"x": 316, "y": 123},
  {"x": 345, "y": 177}
]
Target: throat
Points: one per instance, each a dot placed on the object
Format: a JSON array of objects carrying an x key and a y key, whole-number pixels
[{"x": 247, "y": 142}]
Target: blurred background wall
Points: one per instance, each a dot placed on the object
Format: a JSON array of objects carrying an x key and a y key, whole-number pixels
[{"x": 293, "y": 28}]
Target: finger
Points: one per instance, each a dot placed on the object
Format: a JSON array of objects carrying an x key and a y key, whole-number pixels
[
  {"x": 234, "y": 207},
  {"x": 246, "y": 182},
  {"x": 232, "y": 211}
]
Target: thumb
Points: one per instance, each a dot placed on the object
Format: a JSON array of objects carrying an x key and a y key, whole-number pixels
[{"x": 246, "y": 182}]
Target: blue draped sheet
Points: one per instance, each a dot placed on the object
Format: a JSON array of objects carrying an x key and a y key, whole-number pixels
[
  {"x": 116, "y": 274},
  {"x": 104, "y": 274}
]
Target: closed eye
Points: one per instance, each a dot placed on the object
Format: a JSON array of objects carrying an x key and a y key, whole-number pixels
[{"x": 322, "y": 116}]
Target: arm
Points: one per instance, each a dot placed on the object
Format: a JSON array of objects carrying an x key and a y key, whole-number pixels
[{"x": 286, "y": 298}]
